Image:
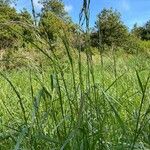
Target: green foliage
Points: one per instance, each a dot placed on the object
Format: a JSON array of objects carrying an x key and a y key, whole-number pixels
[
  {"x": 7, "y": 36},
  {"x": 50, "y": 26},
  {"x": 132, "y": 45},
  {"x": 55, "y": 6},
  {"x": 54, "y": 21},
  {"x": 145, "y": 45},
  {"x": 137, "y": 31},
  {"x": 142, "y": 32},
  {"x": 110, "y": 28},
  {"x": 147, "y": 31},
  {"x": 12, "y": 27},
  {"x": 25, "y": 16},
  {"x": 26, "y": 24}
]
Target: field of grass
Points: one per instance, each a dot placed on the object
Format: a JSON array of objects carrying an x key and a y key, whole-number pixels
[{"x": 77, "y": 104}]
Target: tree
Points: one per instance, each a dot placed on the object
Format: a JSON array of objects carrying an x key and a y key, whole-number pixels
[
  {"x": 147, "y": 30},
  {"x": 14, "y": 27},
  {"x": 142, "y": 32},
  {"x": 54, "y": 20},
  {"x": 137, "y": 31},
  {"x": 26, "y": 23},
  {"x": 7, "y": 36},
  {"x": 50, "y": 25},
  {"x": 55, "y": 6},
  {"x": 110, "y": 28}
]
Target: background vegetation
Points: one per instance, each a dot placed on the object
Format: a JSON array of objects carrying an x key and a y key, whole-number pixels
[{"x": 66, "y": 86}]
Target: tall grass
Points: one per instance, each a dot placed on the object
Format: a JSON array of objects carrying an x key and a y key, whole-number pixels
[
  {"x": 58, "y": 118},
  {"x": 74, "y": 105}
]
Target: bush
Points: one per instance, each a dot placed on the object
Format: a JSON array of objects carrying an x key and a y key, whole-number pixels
[{"x": 132, "y": 45}]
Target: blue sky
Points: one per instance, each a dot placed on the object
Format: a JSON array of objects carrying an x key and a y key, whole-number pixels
[{"x": 132, "y": 11}]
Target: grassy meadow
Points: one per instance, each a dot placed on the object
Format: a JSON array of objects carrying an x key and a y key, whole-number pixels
[
  {"x": 65, "y": 87},
  {"x": 77, "y": 104}
]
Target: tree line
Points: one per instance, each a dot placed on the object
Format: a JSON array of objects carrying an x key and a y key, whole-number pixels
[{"x": 16, "y": 28}]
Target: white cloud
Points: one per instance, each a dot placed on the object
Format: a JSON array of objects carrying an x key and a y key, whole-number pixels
[
  {"x": 68, "y": 8},
  {"x": 125, "y": 5}
]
